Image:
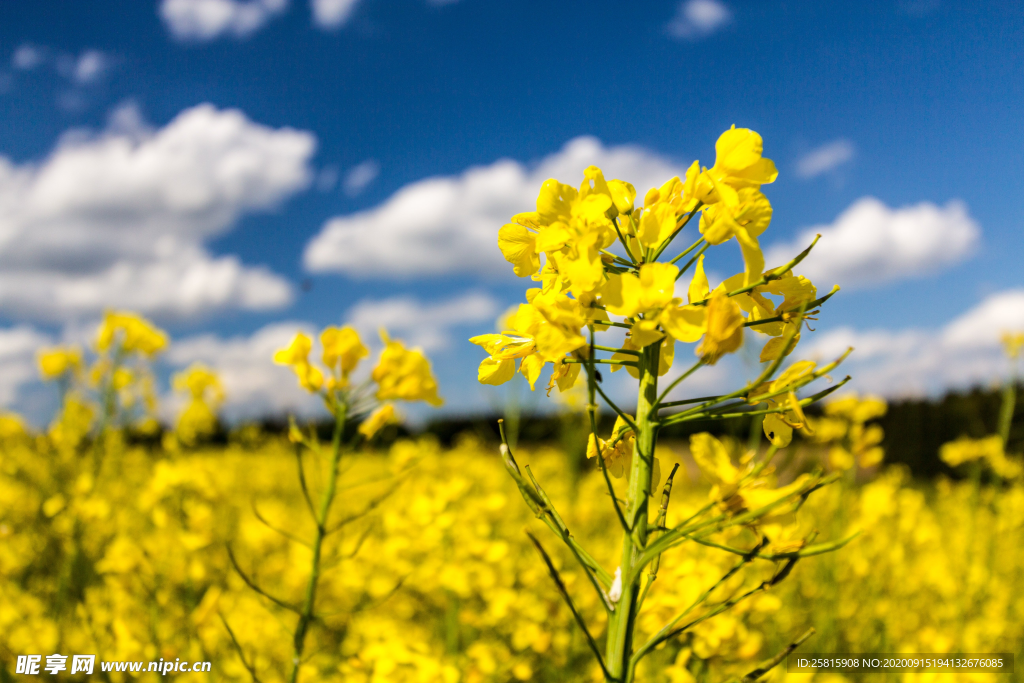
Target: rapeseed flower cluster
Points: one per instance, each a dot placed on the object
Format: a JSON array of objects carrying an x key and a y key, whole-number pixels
[{"x": 596, "y": 257}]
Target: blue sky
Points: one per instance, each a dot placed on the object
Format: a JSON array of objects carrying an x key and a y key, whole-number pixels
[{"x": 235, "y": 168}]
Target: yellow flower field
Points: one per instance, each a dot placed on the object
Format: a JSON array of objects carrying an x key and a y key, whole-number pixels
[{"x": 437, "y": 580}]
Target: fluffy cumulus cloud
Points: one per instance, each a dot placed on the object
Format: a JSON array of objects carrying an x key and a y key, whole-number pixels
[
  {"x": 825, "y": 158},
  {"x": 203, "y": 20},
  {"x": 425, "y": 325},
  {"x": 916, "y": 362},
  {"x": 871, "y": 244},
  {"x": 254, "y": 385},
  {"x": 698, "y": 18},
  {"x": 450, "y": 224},
  {"x": 120, "y": 219}
]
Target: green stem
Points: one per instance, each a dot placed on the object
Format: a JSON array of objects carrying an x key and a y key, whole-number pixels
[
  {"x": 619, "y": 645},
  {"x": 1006, "y": 409},
  {"x": 682, "y": 225},
  {"x": 307, "y": 614},
  {"x": 688, "y": 250},
  {"x": 692, "y": 260}
]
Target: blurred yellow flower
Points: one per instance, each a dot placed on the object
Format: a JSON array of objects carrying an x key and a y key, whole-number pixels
[
  {"x": 59, "y": 361},
  {"x": 377, "y": 420},
  {"x": 296, "y": 356},
  {"x": 404, "y": 374},
  {"x": 133, "y": 332},
  {"x": 1012, "y": 343},
  {"x": 342, "y": 349}
]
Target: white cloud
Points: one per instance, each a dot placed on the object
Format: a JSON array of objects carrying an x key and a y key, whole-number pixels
[
  {"x": 450, "y": 224},
  {"x": 698, "y": 18},
  {"x": 332, "y": 14},
  {"x": 915, "y": 362},
  {"x": 28, "y": 57},
  {"x": 203, "y": 20},
  {"x": 359, "y": 177},
  {"x": 983, "y": 325},
  {"x": 254, "y": 385},
  {"x": 822, "y": 159},
  {"x": 420, "y": 324},
  {"x": 18, "y": 346},
  {"x": 120, "y": 219},
  {"x": 869, "y": 243}
]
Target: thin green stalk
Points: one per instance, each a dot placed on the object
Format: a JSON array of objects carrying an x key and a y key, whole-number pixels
[
  {"x": 1006, "y": 409},
  {"x": 789, "y": 314},
  {"x": 696, "y": 366},
  {"x": 718, "y": 415},
  {"x": 688, "y": 250},
  {"x": 619, "y": 644},
  {"x": 601, "y": 361},
  {"x": 693, "y": 260},
  {"x": 652, "y": 574},
  {"x": 678, "y": 230},
  {"x": 308, "y": 607},
  {"x": 612, "y": 349},
  {"x": 568, "y": 600},
  {"x": 625, "y": 244}
]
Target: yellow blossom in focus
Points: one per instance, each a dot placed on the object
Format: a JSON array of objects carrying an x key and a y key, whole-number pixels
[
  {"x": 404, "y": 374},
  {"x": 617, "y": 451},
  {"x": 724, "y": 329},
  {"x": 629, "y": 295}
]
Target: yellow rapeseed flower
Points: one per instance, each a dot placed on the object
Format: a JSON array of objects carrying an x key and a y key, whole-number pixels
[
  {"x": 132, "y": 331},
  {"x": 343, "y": 349},
  {"x": 59, "y": 361},
  {"x": 378, "y": 419},
  {"x": 296, "y": 356},
  {"x": 404, "y": 374},
  {"x": 724, "y": 329}
]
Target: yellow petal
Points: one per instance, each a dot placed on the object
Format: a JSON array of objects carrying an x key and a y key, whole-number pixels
[
  {"x": 623, "y": 195},
  {"x": 657, "y": 224},
  {"x": 621, "y": 294},
  {"x": 518, "y": 246},
  {"x": 645, "y": 332},
  {"x": 699, "y": 288},
  {"x": 378, "y": 419},
  {"x": 531, "y": 367},
  {"x": 685, "y": 323},
  {"x": 496, "y": 372},
  {"x": 713, "y": 459},
  {"x": 773, "y": 349}
]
